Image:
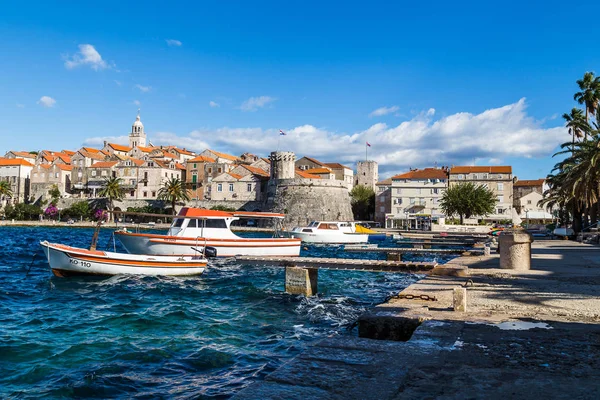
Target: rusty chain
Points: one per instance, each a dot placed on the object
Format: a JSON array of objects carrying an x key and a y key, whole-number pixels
[{"x": 424, "y": 297}]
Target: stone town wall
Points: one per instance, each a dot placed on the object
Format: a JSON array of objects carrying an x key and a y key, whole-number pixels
[{"x": 305, "y": 200}]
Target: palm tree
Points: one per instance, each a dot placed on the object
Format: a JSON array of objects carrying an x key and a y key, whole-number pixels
[
  {"x": 113, "y": 191},
  {"x": 173, "y": 190},
  {"x": 5, "y": 190},
  {"x": 589, "y": 94},
  {"x": 576, "y": 123}
]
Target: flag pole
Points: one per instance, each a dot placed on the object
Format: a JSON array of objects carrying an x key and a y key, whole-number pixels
[{"x": 366, "y": 149}]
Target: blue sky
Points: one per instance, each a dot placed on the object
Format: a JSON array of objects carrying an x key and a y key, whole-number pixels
[{"x": 423, "y": 83}]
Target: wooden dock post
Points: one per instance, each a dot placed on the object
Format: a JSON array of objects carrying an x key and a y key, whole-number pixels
[{"x": 300, "y": 280}]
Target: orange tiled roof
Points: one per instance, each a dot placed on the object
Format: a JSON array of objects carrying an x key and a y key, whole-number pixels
[
  {"x": 236, "y": 176},
  {"x": 64, "y": 167},
  {"x": 534, "y": 182},
  {"x": 169, "y": 155},
  {"x": 305, "y": 175},
  {"x": 224, "y": 155},
  {"x": 336, "y": 165},
  {"x": 48, "y": 156},
  {"x": 96, "y": 156},
  {"x": 66, "y": 158},
  {"x": 104, "y": 164},
  {"x": 68, "y": 152},
  {"x": 256, "y": 170},
  {"x": 183, "y": 151},
  {"x": 145, "y": 149},
  {"x": 425, "y": 173},
  {"x": 25, "y": 154},
  {"x": 137, "y": 161},
  {"x": 318, "y": 171},
  {"x": 501, "y": 169},
  {"x": 180, "y": 166},
  {"x": 201, "y": 159},
  {"x": 90, "y": 150},
  {"x": 119, "y": 147},
  {"x": 266, "y": 160},
  {"x": 13, "y": 162}
]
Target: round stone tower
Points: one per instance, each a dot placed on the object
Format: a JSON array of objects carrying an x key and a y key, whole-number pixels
[{"x": 282, "y": 165}]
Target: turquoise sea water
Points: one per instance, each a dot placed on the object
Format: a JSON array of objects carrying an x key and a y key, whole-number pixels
[{"x": 148, "y": 337}]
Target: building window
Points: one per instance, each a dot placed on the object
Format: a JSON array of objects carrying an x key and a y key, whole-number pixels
[
  {"x": 249, "y": 187},
  {"x": 194, "y": 165},
  {"x": 153, "y": 194},
  {"x": 435, "y": 191},
  {"x": 398, "y": 191},
  {"x": 460, "y": 177},
  {"x": 210, "y": 170},
  {"x": 528, "y": 201},
  {"x": 500, "y": 186},
  {"x": 56, "y": 174},
  {"x": 132, "y": 193},
  {"x": 166, "y": 175},
  {"x": 193, "y": 187},
  {"x": 93, "y": 172},
  {"x": 412, "y": 200},
  {"x": 500, "y": 211},
  {"x": 219, "y": 187},
  {"x": 500, "y": 199},
  {"x": 219, "y": 170},
  {"x": 231, "y": 187},
  {"x": 103, "y": 173},
  {"x": 145, "y": 194}
]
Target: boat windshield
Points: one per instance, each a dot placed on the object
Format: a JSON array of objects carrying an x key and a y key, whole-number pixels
[
  {"x": 313, "y": 224},
  {"x": 178, "y": 222}
]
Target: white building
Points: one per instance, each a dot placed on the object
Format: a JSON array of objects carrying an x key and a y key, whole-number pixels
[
  {"x": 415, "y": 198},
  {"x": 17, "y": 172}
]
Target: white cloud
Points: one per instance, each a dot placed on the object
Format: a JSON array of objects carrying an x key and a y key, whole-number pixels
[
  {"x": 213, "y": 104},
  {"x": 384, "y": 111},
  {"x": 99, "y": 141},
  {"x": 462, "y": 138},
  {"x": 137, "y": 103},
  {"x": 143, "y": 89},
  {"x": 87, "y": 55},
  {"x": 118, "y": 83},
  {"x": 19, "y": 105},
  {"x": 254, "y": 103},
  {"x": 173, "y": 42},
  {"x": 46, "y": 101}
]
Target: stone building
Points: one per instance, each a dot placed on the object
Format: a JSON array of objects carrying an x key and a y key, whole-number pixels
[
  {"x": 335, "y": 171},
  {"x": 17, "y": 172},
  {"x": 44, "y": 176},
  {"x": 24, "y": 155},
  {"x": 524, "y": 187},
  {"x": 367, "y": 174},
  {"x": 244, "y": 182},
  {"x": 415, "y": 197},
  {"x": 81, "y": 161},
  {"x": 497, "y": 178},
  {"x": 304, "y": 197}
]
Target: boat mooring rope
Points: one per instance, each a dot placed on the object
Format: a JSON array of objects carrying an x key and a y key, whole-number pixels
[{"x": 31, "y": 264}]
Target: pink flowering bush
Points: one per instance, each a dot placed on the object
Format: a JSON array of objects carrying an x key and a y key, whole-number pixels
[
  {"x": 51, "y": 211},
  {"x": 100, "y": 215}
]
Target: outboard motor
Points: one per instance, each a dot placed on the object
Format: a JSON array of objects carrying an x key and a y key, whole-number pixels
[{"x": 210, "y": 252}]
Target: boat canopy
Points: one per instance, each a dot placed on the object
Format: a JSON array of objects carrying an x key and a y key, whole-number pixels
[{"x": 201, "y": 213}]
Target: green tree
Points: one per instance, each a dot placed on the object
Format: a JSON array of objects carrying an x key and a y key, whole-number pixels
[
  {"x": 54, "y": 193},
  {"x": 363, "y": 202},
  {"x": 589, "y": 94},
  {"x": 5, "y": 189},
  {"x": 113, "y": 191},
  {"x": 467, "y": 200},
  {"x": 173, "y": 190},
  {"x": 78, "y": 210},
  {"x": 222, "y": 208}
]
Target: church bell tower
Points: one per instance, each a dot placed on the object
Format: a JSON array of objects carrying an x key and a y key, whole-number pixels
[{"x": 137, "y": 137}]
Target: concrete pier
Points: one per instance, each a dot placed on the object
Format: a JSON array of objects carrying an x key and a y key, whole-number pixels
[{"x": 524, "y": 333}]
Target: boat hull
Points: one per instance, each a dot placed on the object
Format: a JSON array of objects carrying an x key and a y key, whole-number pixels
[
  {"x": 139, "y": 243},
  {"x": 333, "y": 238},
  {"x": 71, "y": 261}
]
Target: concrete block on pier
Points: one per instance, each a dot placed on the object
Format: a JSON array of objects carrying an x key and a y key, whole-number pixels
[
  {"x": 301, "y": 280},
  {"x": 450, "y": 270},
  {"x": 460, "y": 299}
]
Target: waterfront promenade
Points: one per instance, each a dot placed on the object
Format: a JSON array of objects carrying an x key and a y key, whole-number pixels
[{"x": 525, "y": 334}]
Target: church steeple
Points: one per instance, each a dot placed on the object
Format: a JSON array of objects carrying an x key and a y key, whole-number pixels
[{"x": 137, "y": 137}]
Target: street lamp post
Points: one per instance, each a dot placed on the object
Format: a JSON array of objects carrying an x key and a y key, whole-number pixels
[
  {"x": 406, "y": 219},
  {"x": 527, "y": 218}
]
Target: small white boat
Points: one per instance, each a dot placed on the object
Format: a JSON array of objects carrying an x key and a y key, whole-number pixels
[
  {"x": 196, "y": 228},
  {"x": 329, "y": 232},
  {"x": 70, "y": 261}
]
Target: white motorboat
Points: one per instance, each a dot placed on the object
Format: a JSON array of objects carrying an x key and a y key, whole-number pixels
[
  {"x": 329, "y": 232},
  {"x": 195, "y": 228},
  {"x": 71, "y": 261}
]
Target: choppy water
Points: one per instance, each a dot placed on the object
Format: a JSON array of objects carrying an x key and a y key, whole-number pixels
[{"x": 124, "y": 336}]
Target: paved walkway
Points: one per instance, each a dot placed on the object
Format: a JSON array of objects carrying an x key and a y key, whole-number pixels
[{"x": 532, "y": 334}]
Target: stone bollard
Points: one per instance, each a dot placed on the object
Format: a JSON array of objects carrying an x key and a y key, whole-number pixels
[
  {"x": 459, "y": 299},
  {"x": 515, "y": 250},
  {"x": 487, "y": 250}
]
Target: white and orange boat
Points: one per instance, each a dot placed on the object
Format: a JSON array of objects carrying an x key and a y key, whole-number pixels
[
  {"x": 196, "y": 228},
  {"x": 68, "y": 261}
]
